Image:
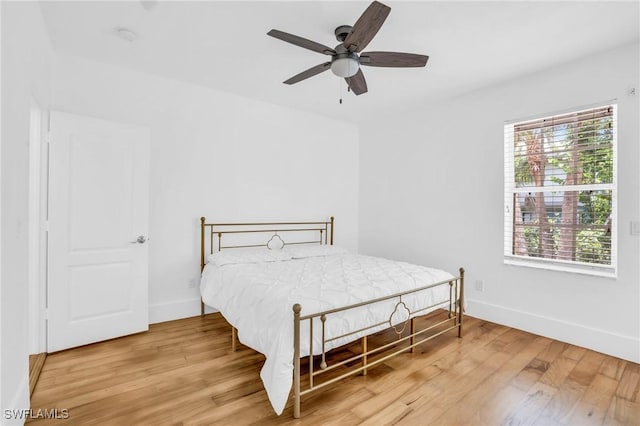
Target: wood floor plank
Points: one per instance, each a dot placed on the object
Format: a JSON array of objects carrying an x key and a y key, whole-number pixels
[
  {"x": 322, "y": 411},
  {"x": 446, "y": 391},
  {"x": 562, "y": 404},
  {"x": 629, "y": 385},
  {"x": 184, "y": 373},
  {"x": 593, "y": 407},
  {"x": 386, "y": 397},
  {"x": 539, "y": 366},
  {"x": 528, "y": 410},
  {"x": 389, "y": 415},
  {"x": 499, "y": 404},
  {"x": 623, "y": 411},
  {"x": 481, "y": 396},
  {"x": 613, "y": 367},
  {"x": 559, "y": 370},
  {"x": 538, "y": 406},
  {"x": 442, "y": 361}
]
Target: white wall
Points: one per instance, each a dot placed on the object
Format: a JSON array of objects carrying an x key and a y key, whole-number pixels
[
  {"x": 431, "y": 192},
  {"x": 217, "y": 155},
  {"x": 26, "y": 63},
  {"x": 1, "y": 400}
]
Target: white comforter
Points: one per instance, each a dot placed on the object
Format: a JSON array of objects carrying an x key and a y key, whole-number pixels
[{"x": 257, "y": 299}]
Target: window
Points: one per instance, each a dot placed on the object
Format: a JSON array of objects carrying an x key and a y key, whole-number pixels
[{"x": 560, "y": 191}]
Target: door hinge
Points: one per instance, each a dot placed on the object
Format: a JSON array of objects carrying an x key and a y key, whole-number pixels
[
  {"x": 45, "y": 314},
  {"x": 48, "y": 137},
  {"x": 45, "y": 226}
]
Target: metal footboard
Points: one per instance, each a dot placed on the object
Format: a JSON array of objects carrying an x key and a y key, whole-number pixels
[{"x": 414, "y": 337}]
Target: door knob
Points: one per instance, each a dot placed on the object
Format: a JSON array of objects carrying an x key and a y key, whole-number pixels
[{"x": 140, "y": 240}]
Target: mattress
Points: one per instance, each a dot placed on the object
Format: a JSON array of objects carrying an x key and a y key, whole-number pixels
[{"x": 257, "y": 296}]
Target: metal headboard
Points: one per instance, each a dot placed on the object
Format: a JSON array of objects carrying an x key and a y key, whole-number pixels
[{"x": 211, "y": 234}]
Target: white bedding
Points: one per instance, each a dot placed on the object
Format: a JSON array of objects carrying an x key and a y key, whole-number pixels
[{"x": 257, "y": 299}]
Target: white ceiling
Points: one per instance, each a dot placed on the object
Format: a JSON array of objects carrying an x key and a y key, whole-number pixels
[{"x": 224, "y": 44}]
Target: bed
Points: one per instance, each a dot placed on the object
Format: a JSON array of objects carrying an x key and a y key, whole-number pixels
[{"x": 288, "y": 292}]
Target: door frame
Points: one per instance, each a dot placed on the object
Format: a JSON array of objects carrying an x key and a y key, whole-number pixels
[{"x": 37, "y": 226}]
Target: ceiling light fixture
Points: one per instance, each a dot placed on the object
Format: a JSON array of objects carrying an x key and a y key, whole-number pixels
[
  {"x": 126, "y": 34},
  {"x": 345, "y": 64}
]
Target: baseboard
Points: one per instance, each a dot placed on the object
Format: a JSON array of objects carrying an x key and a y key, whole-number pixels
[
  {"x": 169, "y": 311},
  {"x": 617, "y": 345}
]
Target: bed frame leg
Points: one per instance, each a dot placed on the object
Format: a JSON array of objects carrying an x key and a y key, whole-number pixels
[
  {"x": 413, "y": 337},
  {"x": 364, "y": 355},
  {"x": 296, "y": 360},
  {"x": 234, "y": 338},
  {"x": 201, "y": 308},
  {"x": 461, "y": 302}
]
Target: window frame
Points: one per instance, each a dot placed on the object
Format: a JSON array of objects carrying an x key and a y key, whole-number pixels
[{"x": 509, "y": 258}]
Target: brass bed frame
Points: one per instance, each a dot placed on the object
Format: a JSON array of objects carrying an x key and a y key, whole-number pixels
[{"x": 324, "y": 230}]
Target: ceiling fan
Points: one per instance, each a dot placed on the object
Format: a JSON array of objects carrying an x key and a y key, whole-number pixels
[{"x": 346, "y": 58}]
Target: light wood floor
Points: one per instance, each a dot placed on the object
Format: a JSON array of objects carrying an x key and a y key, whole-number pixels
[{"x": 183, "y": 372}]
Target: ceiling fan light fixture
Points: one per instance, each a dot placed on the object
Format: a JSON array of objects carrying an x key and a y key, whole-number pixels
[{"x": 345, "y": 66}]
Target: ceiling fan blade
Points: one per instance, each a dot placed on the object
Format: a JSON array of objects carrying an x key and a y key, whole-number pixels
[
  {"x": 302, "y": 42},
  {"x": 366, "y": 27},
  {"x": 357, "y": 83},
  {"x": 392, "y": 59},
  {"x": 309, "y": 73}
]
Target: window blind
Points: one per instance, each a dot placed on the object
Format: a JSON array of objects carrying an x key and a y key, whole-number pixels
[{"x": 560, "y": 189}]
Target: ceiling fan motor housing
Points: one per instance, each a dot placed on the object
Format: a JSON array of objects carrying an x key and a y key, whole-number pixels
[{"x": 342, "y": 32}]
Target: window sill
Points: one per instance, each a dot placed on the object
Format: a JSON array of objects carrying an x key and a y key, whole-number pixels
[{"x": 558, "y": 265}]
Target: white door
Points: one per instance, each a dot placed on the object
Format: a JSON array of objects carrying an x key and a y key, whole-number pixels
[{"x": 98, "y": 223}]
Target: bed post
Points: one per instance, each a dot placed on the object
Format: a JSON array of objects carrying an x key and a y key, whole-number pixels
[
  {"x": 413, "y": 337},
  {"x": 331, "y": 240},
  {"x": 296, "y": 360},
  {"x": 461, "y": 302},
  {"x": 364, "y": 354},
  {"x": 202, "y": 219},
  {"x": 234, "y": 338}
]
